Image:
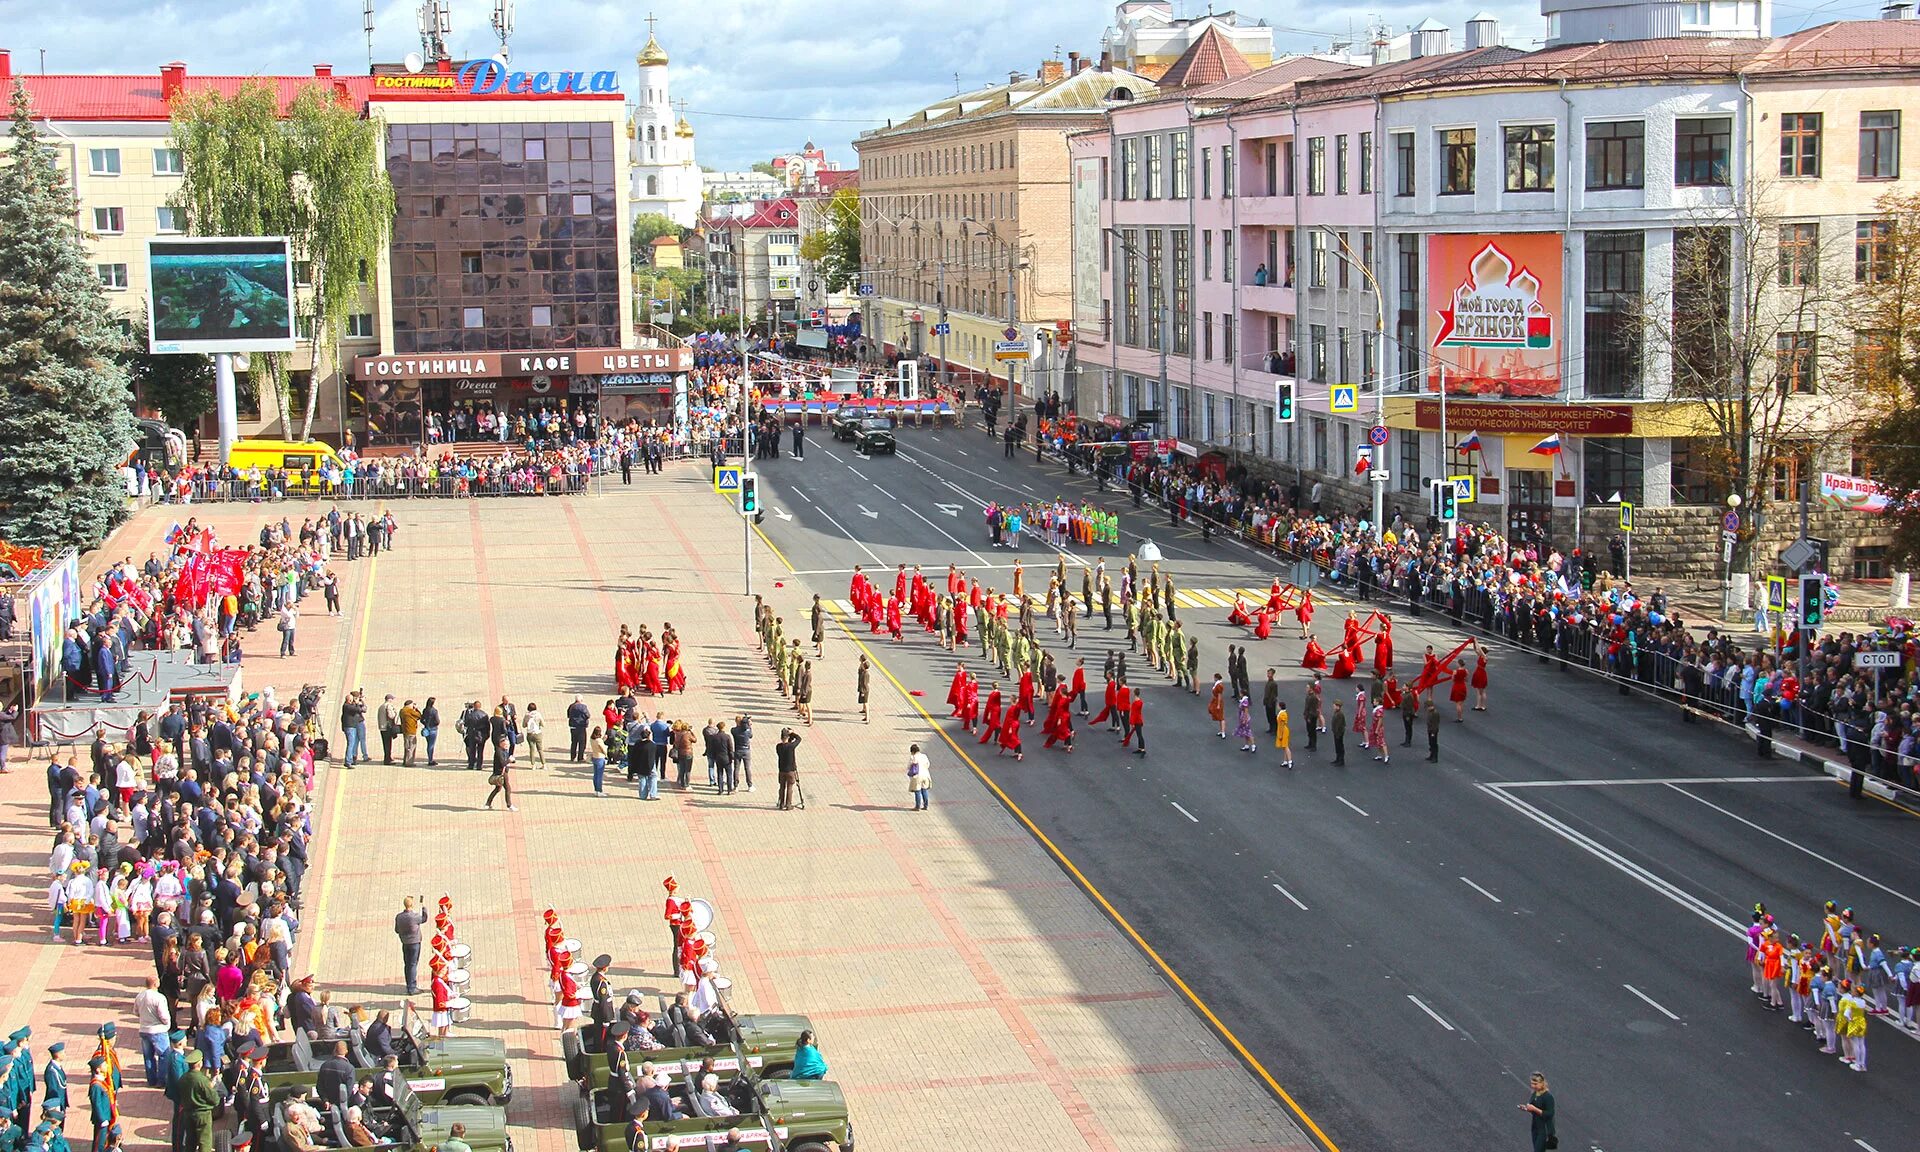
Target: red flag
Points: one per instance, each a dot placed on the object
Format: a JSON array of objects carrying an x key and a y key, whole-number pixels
[
  {"x": 1442, "y": 670},
  {"x": 1360, "y": 465}
]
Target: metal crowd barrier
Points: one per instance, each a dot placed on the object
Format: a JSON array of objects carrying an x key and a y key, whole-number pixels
[{"x": 211, "y": 490}]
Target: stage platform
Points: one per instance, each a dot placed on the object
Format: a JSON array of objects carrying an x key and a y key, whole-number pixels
[{"x": 151, "y": 681}]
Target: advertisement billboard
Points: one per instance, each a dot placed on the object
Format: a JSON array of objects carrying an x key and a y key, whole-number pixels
[
  {"x": 1087, "y": 241},
  {"x": 220, "y": 294},
  {"x": 1853, "y": 493},
  {"x": 1496, "y": 325},
  {"x": 53, "y": 602}
]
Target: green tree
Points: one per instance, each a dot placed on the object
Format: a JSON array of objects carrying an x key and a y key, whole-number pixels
[
  {"x": 65, "y": 421},
  {"x": 315, "y": 175},
  {"x": 646, "y": 227},
  {"x": 181, "y": 387},
  {"x": 835, "y": 248},
  {"x": 766, "y": 168}
]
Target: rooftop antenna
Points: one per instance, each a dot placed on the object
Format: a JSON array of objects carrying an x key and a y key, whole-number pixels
[
  {"x": 366, "y": 22},
  {"x": 956, "y": 81},
  {"x": 503, "y": 24},
  {"x": 436, "y": 24}
]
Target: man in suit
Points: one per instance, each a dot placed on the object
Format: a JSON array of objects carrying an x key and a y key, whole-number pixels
[
  {"x": 335, "y": 1080},
  {"x": 659, "y": 1105},
  {"x": 577, "y": 719}
]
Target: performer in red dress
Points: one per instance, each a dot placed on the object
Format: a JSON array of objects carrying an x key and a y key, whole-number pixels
[
  {"x": 1079, "y": 689},
  {"x": 1315, "y": 657},
  {"x": 1383, "y": 647},
  {"x": 900, "y": 583},
  {"x": 1276, "y": 598},
  {"x": 956, "y": 583},
  {"x": 1107, "y": 710},
  {"x": 651, "y": 671},
  {"x": 990, "y": 718},
  {"x": 1263, "y": 624},
  {"x": 959, "y": 623},
  {"x": 1429, "y": 673},
  {"x": 970, "y": 702},
  {"x": 893, "y": 618},
  {"x": 676, "y": 673},
  {"x": 1059, "y": 724},
  {"x": 1303, "y": 612},
  {"x": 442, "y": 993},
  {"x": 856, "y": 589},
  {"x": 956, "y": 692},
  {"x": 1459, "y": 695},
  {"x": 1010, "y": 734},
  {"x": 1239, "y": 614},
  {"x": 1479, "y": 680},
  {"x": 1023, "y": 703},
  {"x": 623, "y": 677}
]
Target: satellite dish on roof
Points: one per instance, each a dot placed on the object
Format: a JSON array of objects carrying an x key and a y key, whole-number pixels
[
  {"x": 413, "y": 62},
  {"x": 500, "y": 57}
]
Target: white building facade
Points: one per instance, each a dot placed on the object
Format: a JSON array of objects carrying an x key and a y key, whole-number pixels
[{"x": 666, "y": 180}]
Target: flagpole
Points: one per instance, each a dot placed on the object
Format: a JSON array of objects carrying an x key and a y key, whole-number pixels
[{"x": 1446, "y": 446}]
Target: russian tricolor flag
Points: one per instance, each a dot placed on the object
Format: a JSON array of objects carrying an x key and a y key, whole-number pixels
[
  {"x": 1470, "y": 444},
  {"x": 1548, "y": 447}
]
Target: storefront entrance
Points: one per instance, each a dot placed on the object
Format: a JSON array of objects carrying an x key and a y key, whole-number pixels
[
  {"x": 1529, "y": 502},
  {"x": 469, "y": 410}
]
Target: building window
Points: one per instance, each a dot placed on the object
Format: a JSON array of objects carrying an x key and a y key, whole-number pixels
[
  {"x": 1799, "y": 255},
  {"x": 1616, "y": 155},
  {"x": 472, "y": 318},
  {"x": 1128, "y": 244},
  {"x": 1407, "y": 473},
  {"x": 1129, "y": 168},
  {"x": 1206, "y": 335},
  {"x": 1344, "y": 277},
  {"x": 109, "y": 221},
  {"x": 1793, "y": 361},
  {"x": 1800, "y": 144},
  {"x": 1456, "y": 162},
  {"x": 103, "y": 161},
  {"x": 1366, "y": 163},
  {"x": 112, "y": 276},
  {"x": 470, "y": 263},
  {"x": 1339, "y": 165},
  {"x": 1872, "y": 251},
  {"x": 1316, "y": 259},
  {"x": 303, "y": 273},
  {"x": 582, "y": 204},
  {"x": 1530, "y": 158},
  {"x": 167, "y": 219},
  {"x": 1789, "y": 470},
  {"x": 1226, "y": 172},
  {"x": 1702, "y": 148},
  {"x": 1870, "y": 562},
  {"x": 1226, "y": 337},
  {"x": 1317, "y": 346},
  {"x": 1226, "y": 254},
  {"x": 1407, "y": 318},
  {"x": 1178, "y": 158},
  {"x": 1403, "y": 151},
  {"x": 1696, "y": 477},
  {"x": 360, "y": 326},
  {"x": 1612, "y": 464},
  {"x": 1702, "y": 304},
  {"x": 166, "y": 162},
  {"x": 1317, "y": 166},
  {"x": 1206, "y": 173},
  {"x": 1182, "y": 291},
  {"x": 1206, "y": 254},
  {"x": 1153, "y": 168},
  {"x": 1156, "y": 281},
  {"x": 1879, "y": 145}
]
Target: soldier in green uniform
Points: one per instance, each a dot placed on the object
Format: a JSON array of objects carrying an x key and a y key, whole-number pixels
[
  {"x": 1169, "y": 598},
  {"x": 26, "y": 1079},
  {"x": 198, "y": 1100},
  {"x": 56, "y": 1125},
  {"x": 9, "y": 1078},
  {"x": 1193, "y": 665},
  {"x": 12, "y": 1139},
  {"x": 101, "y": 1107},
  {"x": 55, "y": 1078}
]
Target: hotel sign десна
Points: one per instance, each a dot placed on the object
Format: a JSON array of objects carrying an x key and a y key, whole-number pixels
[
  {"x": 497, "y": 365},
  {"x": 489, "y": 78}
]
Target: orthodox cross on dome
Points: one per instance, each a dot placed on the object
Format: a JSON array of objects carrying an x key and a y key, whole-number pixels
[{"x": 651, "y": 21}]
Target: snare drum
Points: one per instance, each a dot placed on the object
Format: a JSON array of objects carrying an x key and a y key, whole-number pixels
[
  {"x": 459, "y": 1009},
  {"x": 570, "y": 946},
  {"x": 578, "y": 971},
  {"x": 459, "y": 980},
  {"x": 722, "y": 983},
  {"x": 457, "y": 956}
]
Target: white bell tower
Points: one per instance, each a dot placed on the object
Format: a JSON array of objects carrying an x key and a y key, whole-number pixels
[{"x": 661, "y": 151}]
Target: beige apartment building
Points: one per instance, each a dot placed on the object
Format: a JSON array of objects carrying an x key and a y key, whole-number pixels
[{"x": 965, "y": 205}]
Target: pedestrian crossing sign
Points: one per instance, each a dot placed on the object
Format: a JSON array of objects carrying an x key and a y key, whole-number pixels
[
  {"x": 1345, "y": 398},
  {"x": 726, "y": 479}
]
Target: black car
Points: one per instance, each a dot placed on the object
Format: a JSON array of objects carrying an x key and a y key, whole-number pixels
[
  {"x": 845, "y": 421},
  {"x": 874, "y": 436}
]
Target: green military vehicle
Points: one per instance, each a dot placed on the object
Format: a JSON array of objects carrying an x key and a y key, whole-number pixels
[
  {"x": 874, "y": 437},
  {"x": 785, "y": 1115},
  {"x": 406, "y": 1125},
  {"x": 845, "y": 421},
  {"x": 454, "y": 1070},
  {"x": 766, "y": 1042}
]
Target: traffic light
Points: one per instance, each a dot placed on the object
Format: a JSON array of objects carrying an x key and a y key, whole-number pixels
[
  {"x": 1813, "y": 599},
  {"x": 1446, "y": 501},
  {"x": 749, "y": 494},
  {"x": 1283, "y": 401}
]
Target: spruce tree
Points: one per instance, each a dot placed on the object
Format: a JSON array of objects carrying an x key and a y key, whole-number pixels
[{"x": 66, "y": 424}]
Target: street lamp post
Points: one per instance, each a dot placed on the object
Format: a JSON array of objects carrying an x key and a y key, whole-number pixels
[{"x": 1379, "y": 370}]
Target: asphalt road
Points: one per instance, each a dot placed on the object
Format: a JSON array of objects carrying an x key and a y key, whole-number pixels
[{"x": 1401, "y": 945}]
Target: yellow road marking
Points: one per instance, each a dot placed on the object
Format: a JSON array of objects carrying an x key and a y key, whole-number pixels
[{"x": 333, "y": 817}]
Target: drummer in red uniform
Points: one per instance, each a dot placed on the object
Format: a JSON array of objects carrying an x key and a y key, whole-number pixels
[
  {"x": 672, "y": 915},
  {"x": 442, "y": 999}
]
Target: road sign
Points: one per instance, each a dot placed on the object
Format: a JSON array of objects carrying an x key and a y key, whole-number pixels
[
  {"x": 726, "y": 478},
  {"x": 1012, "y": 350},
  {"x": 942, "y": 329},
  {"x": 1798, "y": 555},
  {"x": 866, "y": 290},
  {"x": 1876, "y": 659},
  {"x": 1626, "y": 515},
  {"x": 1466, "y": 489},
  {"x": 1010, "y": 332},
  {"x": 1344, "y": 398},
  {"x": 1730, "y": 522},
  {"x": 1377, "y": 435},
  {"x": 1777, "y": 593},
  {"x": 1365, "y": 457},
  {"x": 1379, "y": 474}
]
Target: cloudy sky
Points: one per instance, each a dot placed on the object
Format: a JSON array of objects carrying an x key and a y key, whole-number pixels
[{"x": 758, "y": 76}]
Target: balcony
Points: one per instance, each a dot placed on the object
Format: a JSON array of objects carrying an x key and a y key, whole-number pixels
[{"x": 1271, "y": 297}]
